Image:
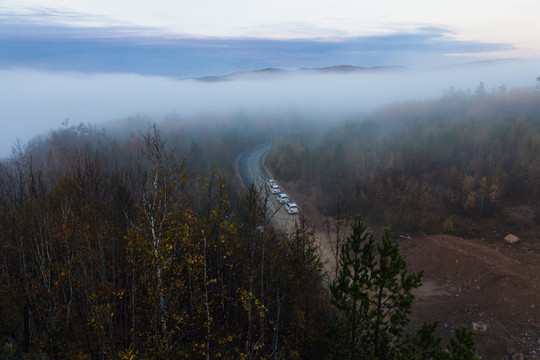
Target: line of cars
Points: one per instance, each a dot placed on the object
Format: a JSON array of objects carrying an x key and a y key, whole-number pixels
[{"x": 281, "y": 197}]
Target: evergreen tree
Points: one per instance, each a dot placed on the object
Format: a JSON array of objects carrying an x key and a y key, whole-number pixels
[
  {"x": 462, "y": 346},
  {"x": 373, "y": 296}
]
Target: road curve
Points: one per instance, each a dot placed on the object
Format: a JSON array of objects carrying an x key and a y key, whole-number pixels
[
  {"x": 252, "y": 172},
  {"x": 250, "y": 164}
]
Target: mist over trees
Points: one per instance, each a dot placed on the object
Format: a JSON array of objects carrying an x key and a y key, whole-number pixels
[
  {"x": 126, "y": 243},
  {"x": 141, "y": 247},
  {"x": 326, "y": 96},
  {"x": 419, "y": 165}
]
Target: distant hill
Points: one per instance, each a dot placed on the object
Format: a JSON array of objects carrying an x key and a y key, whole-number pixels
[{"x": 273, "y": 72}]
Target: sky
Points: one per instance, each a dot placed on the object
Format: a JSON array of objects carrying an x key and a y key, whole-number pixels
[
  {"x": 211, "y": 37},
  {"x": 513, "y": 22},
  {"x": 97, "y": 60}
]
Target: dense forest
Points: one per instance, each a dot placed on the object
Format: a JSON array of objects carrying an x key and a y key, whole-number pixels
[
  {"x": 120, "y": 250},
  {"x": 140, "y": 246},
  {"x": 421, "y": 166}
]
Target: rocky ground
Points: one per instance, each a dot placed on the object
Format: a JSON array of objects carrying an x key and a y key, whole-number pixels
[
  {"x": 472, "y": 278},
  {"x": 493, "y": 284}
]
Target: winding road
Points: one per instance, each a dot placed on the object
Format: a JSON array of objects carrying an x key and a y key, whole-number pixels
[{"x": 251, "y": 170}]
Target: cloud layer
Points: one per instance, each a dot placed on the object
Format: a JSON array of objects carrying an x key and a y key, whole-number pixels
[
  {"x": 119, "y": 49},
  {"x": 32, "y": 102}
]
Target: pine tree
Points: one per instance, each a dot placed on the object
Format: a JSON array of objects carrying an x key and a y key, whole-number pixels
[
  {"x": 373, "y": 296},
  {"x": 462, "y": 346}
]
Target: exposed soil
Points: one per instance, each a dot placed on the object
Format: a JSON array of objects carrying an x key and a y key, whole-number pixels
[
  {"x": 471, "y": 280},
  {"x": 472, "y": 277},
  {"x": 476, "y": 280}
]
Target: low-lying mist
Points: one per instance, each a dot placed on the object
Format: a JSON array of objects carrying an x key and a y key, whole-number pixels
[{"x": 32, "y": 102}]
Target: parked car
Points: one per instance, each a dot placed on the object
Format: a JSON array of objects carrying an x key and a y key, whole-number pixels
[
  {"x": 291, "y": 208},
  {"x": 282, "y": 198},
  {"x": 275, "y": 189},
  {"x": 270, "y": 182}
]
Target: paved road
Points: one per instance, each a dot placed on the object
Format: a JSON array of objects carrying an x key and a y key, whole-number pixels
[
  {"x": 252, "y": 171},
  {"x": 250, "y": 164}
]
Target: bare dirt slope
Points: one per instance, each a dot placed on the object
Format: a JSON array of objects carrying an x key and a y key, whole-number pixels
[
  {"x": 468, "y": 280},
  {"x": 485, "y": 281},
  {"x": 471, "y": 280}
]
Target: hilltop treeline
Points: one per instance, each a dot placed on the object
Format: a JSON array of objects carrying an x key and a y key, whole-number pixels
[{"x": 418, "y": 165}]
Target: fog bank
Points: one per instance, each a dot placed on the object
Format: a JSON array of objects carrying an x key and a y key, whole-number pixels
[{"x": 32, "y": 102}]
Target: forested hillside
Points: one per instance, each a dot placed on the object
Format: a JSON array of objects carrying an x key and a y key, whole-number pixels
[
  {"x": 419, "y": 166},
  {"x": 139, "y": 248},
  {"x": 114, "y": 249}
]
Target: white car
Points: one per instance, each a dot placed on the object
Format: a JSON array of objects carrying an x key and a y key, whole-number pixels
[
  {"x": 270, "y": 182},
  {"x": 282, "y": 198},
  {"x": 275, "y": 189},
  {"x": 291, "y": 208}
]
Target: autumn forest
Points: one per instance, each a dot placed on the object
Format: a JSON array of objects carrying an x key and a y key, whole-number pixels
[{"x": 124, "y": 244}]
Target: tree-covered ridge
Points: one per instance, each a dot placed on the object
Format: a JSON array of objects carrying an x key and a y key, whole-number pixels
[{"x": 413, "y": 165}]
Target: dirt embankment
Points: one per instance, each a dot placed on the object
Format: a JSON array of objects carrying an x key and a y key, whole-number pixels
[
  {"x": 483, "y": 281},
  {"x": 470, "y": 280},
  {"x": 480, "y": 280}
]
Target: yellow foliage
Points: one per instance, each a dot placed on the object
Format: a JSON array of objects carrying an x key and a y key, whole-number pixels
[
  {"x": 448, "y": 225},
  {"x": 470, "y": 203}
]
